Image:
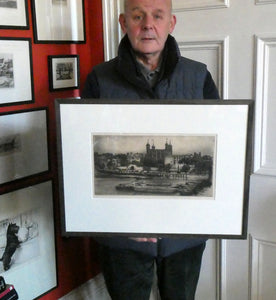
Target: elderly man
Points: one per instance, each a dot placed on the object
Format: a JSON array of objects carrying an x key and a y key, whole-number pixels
[{"x": 149, "y": 66}]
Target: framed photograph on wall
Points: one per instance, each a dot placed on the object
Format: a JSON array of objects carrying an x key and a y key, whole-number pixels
[
  {"x": 14, "y": 14},
  {"x": 23, "y": 144},
  {"x": 16, "y": 75},
  {"x": 58, "y": 21},
  {"x": 188, "y": 169},
  {"x": 63, "y": 72},
  {"x": 27, "y": 215}
]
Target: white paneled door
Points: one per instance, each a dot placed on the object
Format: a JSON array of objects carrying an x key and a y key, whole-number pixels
[{"x": 237, "y": 40}]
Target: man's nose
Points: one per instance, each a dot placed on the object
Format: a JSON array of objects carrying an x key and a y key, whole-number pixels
[{"x": 147, "y": 22}]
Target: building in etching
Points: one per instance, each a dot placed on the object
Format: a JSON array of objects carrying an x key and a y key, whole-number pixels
[{"x": 161, "y": 157}]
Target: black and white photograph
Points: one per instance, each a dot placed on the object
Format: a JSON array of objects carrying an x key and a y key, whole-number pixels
[
  {"x": 27, "y": 241},
  {"x": 19, "y": 239},
  {"x": 8, "y": 3},
  {"x": 16, "y": 75},
  {"x": 63, "y": 72},
  {"x": 189, "y": 167},
  {"x": 23, "y": 144},
  {"x": 10, "y": 144},
  {"x": 6, "y": 71},
  {"x": 64, "y": 22},
  {"x": 154, "y": 165},
  {"x": 14, "y": 14}
]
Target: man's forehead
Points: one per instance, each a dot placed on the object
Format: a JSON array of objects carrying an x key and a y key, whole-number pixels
[
  {"x": 160, "y": 5},
  {"x": 141, "y": 8}
]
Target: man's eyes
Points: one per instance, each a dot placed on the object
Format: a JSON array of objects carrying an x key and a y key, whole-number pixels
[
  {"x": 140, "y": 17},
  {"x": 157, "y": 16}
]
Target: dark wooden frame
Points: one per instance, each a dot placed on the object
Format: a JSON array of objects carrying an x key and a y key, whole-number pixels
[
  {"x": 248, "y": 104},
  {"x": 51, "y": 59}
]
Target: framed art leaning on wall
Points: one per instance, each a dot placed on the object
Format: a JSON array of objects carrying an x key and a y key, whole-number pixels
[{"x": 188, "y": 169}]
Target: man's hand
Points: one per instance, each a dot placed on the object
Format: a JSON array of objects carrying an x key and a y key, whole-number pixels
[{"x": 150, "y": 240}]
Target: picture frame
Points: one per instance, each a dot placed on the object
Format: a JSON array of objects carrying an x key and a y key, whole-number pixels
[
  {"x": 108, "y": 174},
  {"x": 23, "y": 144},
  {"x": 29, "y": 212},
  {"x": 16, "y": 72},
  {"x": 64, "y": 72},
  {"x": 14, "y": 14},
  {"x": 58, "y": 21}
]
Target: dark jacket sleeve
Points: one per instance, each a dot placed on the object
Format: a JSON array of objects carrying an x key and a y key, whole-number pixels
[
  {"x": 91, "y": 87},
  {"x": 210, "y": 90}
]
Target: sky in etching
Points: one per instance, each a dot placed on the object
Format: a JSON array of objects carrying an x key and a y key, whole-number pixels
[{"x": 137, "y": 143}]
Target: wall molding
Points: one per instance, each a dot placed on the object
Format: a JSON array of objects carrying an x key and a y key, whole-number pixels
[
  {"x": 112, "y": 31},
  {"x": 112, "y": 9},
  {"x": 263, "y": 46},
  {"x": 221, "y": 47},
  {"x": 179, "y": 5},
  {"x": 258, "y": 249},
  {"x": 261, "y": 2}
]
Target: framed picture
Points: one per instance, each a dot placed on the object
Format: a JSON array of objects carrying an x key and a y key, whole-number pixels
[
  {"x": 16, "y": 76},
  {"x": 26, "y": 217},
  {"x": 63, "y": 72},
  {"x": 14, "y": 14},
  {"x": 58, "y": 21},
  {"x": 184, "y": 164},
  {"x": 23, "y": 144}
]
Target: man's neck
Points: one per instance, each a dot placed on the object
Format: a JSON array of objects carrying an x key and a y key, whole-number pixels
[{"x": 150, "y": 61}]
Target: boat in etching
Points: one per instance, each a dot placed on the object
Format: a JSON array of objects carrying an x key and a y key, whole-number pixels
[
  {"x": 148, "y": 188},
  {"x": 184, "y": 189}
]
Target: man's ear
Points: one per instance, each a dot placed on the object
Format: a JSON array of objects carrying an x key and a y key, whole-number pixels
[
  {"x": 173, "y": 22},
  {"x": 122, "y": 21}
]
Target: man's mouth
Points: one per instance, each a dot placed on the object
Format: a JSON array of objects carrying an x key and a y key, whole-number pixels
[{"x": 148, "y": 39}]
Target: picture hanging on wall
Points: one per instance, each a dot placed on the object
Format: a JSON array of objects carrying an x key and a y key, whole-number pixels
[
  {"x": 63, "y": 72},
  {"x": 189, "y": 167},
  {"x": 16, "y": 76},
  {"x": 27, "y": 240},
  {"x": 14, "y": 14},
  {"x": 23, "y": 144},
  {"x": 58, "y": 21}
]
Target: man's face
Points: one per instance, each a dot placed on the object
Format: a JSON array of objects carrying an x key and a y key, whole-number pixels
[{"x": 147, "y": 24}]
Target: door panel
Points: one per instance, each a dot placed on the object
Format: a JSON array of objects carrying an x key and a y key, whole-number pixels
[{"x": 237, "y": 40}]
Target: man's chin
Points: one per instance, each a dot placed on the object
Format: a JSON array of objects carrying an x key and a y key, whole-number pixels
[{"x": 147, "y": 52}]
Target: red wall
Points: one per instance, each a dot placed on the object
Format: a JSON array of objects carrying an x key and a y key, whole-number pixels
[{"x": 76, "y": 257}]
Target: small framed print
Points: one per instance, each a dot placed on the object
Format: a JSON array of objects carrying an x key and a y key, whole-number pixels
[
  {"x": 23, "y": 144},
  {"x": 14, "y": 14},
  {"x": 27, "y": 219},
  {"x": 63, "y": 72},
  {"x": 16, "y": 76},
  {"x": 58, "y": 21},
  {"x": 188, "y": 169}
]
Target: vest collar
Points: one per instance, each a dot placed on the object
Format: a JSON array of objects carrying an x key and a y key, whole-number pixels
[{"x": 128, "y": 66}]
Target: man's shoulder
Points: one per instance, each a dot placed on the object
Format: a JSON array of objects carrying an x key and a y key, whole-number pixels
[
  {"x": 192, "y": 63},
  {"x": 107, "y": 65}
]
